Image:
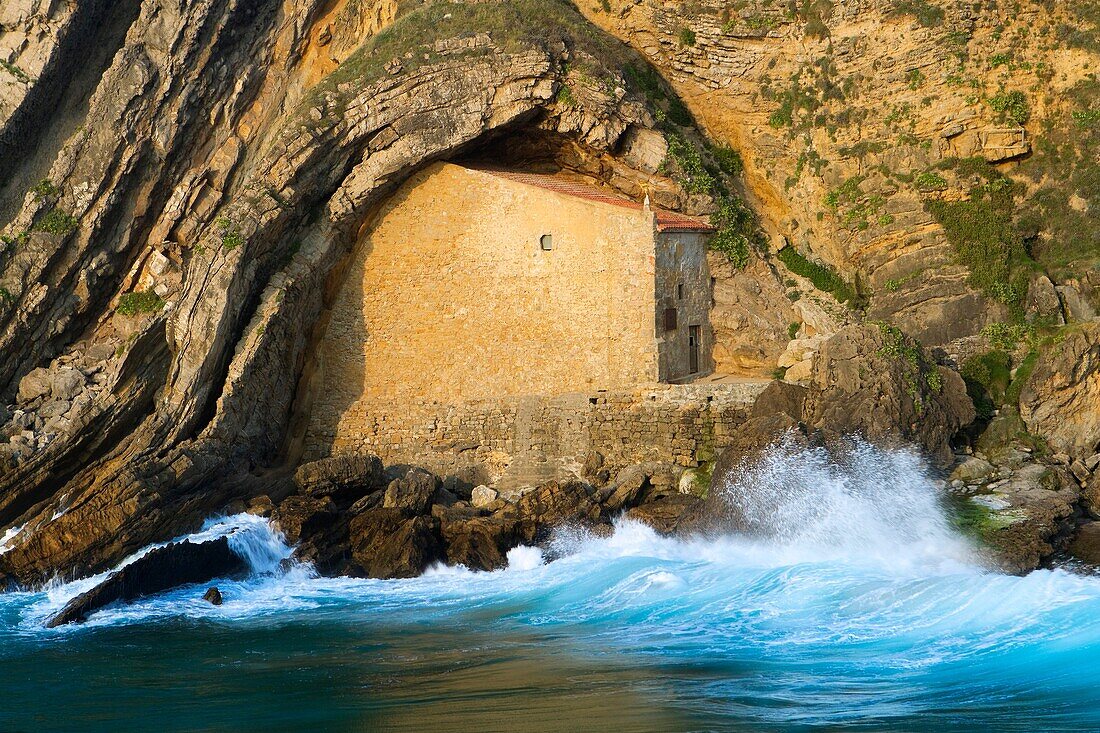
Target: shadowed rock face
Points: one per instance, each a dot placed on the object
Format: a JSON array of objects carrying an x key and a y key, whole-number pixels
[
  {"x": 222, "y": 167},
  {"x": 179, "y": 563}
]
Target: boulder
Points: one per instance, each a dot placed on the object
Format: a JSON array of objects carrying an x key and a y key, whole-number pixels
[
  {"x": 66, "y": 383},
  {"x": 1086, "y": 545},
  {"x": 213, "y": 596},
  {"x": 665, "y": 514},
  {"x": 875, "y": 381},
  {"x": 301, "y": 517},
  {"x": 479, "y": 543},
  {"x": 411, "y": 494},
  {"x": 627, "y": 490},
  {"x": 551, "y": 505},
  {"x": 1061, "y": 399},
  {"x": 180, "y": 563},
  {"x": 344, "y": 478},
  {"x": 34, "y": 385},
  {"x": 386, "y": 543},
  {"x": 483, "y": 496},
  {"x": 1028, "y": 517},
  {"x": 972, "y": 470}
]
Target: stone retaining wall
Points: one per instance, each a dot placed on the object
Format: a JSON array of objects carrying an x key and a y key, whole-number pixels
[{"x": 524, "y": 441}]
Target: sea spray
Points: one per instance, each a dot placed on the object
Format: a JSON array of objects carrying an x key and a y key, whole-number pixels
[{"x": 865, "y": 501}]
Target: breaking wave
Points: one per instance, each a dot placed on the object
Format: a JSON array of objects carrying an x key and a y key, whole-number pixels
[{"x": 848, "y": 601}]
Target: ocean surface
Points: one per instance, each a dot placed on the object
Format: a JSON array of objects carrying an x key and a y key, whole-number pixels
[{"x": 851, "y": 604}]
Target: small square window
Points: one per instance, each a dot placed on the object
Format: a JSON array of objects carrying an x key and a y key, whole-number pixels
[{"x": 546, "y": 242}]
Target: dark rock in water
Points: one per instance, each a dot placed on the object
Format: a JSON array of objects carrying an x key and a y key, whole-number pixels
[
  {"x": 386, "y": 543},
  {"x": 412, "y": 494},
  {"x": 213, "y": 596},
  {"x": 344, "y": 478},
  {"x": 1086, "y": 546},
  {"x": 665, "y": 514},
  {"x": 180, "y": 563},
  {"x": 303, "y": 516},
  {"x": 1029, "y": 516},
  {"x": 479, "y": 543},
  {"x": 551, "y": 505}
]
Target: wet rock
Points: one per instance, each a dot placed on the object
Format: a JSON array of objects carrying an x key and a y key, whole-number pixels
[
  {"x": 1028, "y": 517},
  {"x": 627, "y": 490},
  {"x": 875, "y": 381},
  {"x": 345, "y": 479},
  {"x": 552, "y": 505},
  {"x": 213, "y": 596},
  {"x": 300, "y": 517},
  {"x": 386, "y": 543},
  {"x": 665, "y": 514},
  {"x": 1086, "y": 545},
  {"x": 261, "y": 506},
  {"x": 180, "y": 563},
  {"x": 972, "y": 470},
  {"x": 479, "y": 543},
  {"x": 411, "y": 494}
]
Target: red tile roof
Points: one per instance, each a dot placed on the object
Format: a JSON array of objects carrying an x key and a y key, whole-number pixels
[{"x": 667, "y": 221}]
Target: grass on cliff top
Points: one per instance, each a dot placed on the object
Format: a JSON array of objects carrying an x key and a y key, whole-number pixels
[
  {"x": 512, "y": 24},
  {"x": 515, "y": 25}
]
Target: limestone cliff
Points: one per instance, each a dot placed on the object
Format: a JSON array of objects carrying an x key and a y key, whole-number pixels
[
  {"x": 181, "y": 183},
  {"x": 169, "y": 246},
  {"x": 940, "y": 154}
]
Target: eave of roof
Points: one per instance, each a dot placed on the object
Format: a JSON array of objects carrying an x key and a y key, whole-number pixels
[{"x": 667, "y": 221}]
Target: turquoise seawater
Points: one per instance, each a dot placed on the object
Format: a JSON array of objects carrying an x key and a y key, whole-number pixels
[{"x": 851, "y": 606}]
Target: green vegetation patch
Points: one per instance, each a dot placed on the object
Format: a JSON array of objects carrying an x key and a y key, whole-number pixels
[
  {"x": 987, "y": 377},
  {"x": 15, "y": 71},
  {"x": 822, "y": 276},
  {"x": 1011, "y": 107},
  {"x": 926, "y": 13},
  {"x": 919, "y": 375},
  {"x": 144, "y": 301},
  {"x": 983, "y": 235},
  {"x": 45, "y": 189},
  {"x": 1058, "y": 220},
  {"x": 57, "y": 221}
]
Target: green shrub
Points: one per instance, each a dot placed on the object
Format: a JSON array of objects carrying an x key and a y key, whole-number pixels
[
  {"x": 687, "y": 36},
  {"x": 729, "y": 160},
  {"x": 145, "y": 301},
  {"x": 1011, "y": 106},
  {"x": 930, "y": 181},
  {"x": 230, "y": 234},
  {"x": 792, "y": 329}
]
